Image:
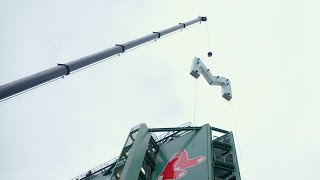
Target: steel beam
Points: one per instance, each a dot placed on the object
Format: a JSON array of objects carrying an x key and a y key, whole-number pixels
[
  {"x": 137, "y": 153},
  {"x": 185, "y": 129},
  {"x": 221, "y": 145},
  {"x": 210, "y": 152},
  {"x": 234, "y": 155}
]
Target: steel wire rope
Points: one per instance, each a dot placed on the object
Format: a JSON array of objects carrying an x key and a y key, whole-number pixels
[
  {"x": 208, "y": 36},
  {"x": 194, "y": 112},
  {"x": 10, "y": 98},
  {"x": 232, "y": 109},
  {"x": 233, "y": 113},
  {"x": 236, "y": 127},
  {"x": 195, "y": 104}
]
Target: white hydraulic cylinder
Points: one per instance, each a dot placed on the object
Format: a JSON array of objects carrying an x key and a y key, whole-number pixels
[{"x": 198, "y": 68}]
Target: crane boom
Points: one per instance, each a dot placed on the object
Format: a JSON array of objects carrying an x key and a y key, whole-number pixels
[{"x": 23, "y": 84}]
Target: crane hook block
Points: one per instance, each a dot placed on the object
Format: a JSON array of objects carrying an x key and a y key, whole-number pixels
[{"x": 199, "y": 68}]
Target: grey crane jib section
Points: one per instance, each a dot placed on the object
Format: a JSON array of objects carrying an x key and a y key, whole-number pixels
[{"x": 26, "y": 83}]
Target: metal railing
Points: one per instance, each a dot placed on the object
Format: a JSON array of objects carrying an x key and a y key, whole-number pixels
[
  {"x": 97, "y": 169},
  {"x": 171, "y": 135}
]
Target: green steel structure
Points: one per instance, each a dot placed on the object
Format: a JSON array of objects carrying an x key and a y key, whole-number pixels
[{"x": 185, "y": 153}]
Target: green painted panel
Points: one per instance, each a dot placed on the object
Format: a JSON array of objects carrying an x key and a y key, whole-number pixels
[
  {"x": 186, "y": 158},
  {"x": 134, "y": 162}
]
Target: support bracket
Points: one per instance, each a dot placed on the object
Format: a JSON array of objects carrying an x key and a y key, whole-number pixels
[{"x": 198, "y": 68}]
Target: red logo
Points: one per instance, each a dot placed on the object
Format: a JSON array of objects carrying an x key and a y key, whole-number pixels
[{"x": 177, "y": 165}]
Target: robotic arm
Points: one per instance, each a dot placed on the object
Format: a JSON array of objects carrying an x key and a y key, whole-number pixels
[{"x": 198, "y": 67}]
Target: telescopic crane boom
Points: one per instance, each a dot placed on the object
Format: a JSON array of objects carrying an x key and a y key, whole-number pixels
[{"x": 23, "y": 84}]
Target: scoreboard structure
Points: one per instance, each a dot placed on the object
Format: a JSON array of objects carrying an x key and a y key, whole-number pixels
[{"x": 184, "y": 153}]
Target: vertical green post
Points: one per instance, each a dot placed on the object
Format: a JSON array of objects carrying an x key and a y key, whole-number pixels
[
  {"x": 209, "y": 149},
  {"x": 135, "y": 159},
  {"x": 234, "y": 155}
]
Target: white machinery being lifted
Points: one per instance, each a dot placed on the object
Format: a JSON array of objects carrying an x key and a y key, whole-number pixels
[{"x": 198, "y": 67}]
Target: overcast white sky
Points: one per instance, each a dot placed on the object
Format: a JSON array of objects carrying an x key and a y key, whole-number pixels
[{"x": 269, "y": 50}]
